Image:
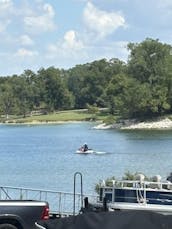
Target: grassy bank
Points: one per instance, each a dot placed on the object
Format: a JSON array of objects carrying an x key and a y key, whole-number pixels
[
  {"x": 103, "y": 115},
  {"x": 61, "y": 116}
]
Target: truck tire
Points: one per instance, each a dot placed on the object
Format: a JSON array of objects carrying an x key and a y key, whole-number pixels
[{"x": 7, "y": 226}]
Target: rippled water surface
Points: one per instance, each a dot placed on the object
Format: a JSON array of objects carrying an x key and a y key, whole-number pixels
[{"x": 43, "y": 156}]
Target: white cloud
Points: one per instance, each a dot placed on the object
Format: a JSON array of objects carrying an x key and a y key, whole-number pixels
[
  {"x": 5, "y": 7},
  {"x": 5, "y": 10},
  {"x": 71, "y": 41},
  {"x": 49, "y": 10},
  {"x": 38, "y": 17},
  {"x": 69, "y": 46},
  {"x": 26, "y": 40},
  {"x": 101, "y": 22},
  {"x": 72, "y": 51},
  {"x": 41, "y": 23},
  {"x": 25, "y": 53}
]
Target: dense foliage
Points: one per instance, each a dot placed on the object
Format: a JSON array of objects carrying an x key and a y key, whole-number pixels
[{"x": 142, "y": 87}]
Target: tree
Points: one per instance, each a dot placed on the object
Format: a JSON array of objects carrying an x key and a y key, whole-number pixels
[
  {"x": 120, "y": 92},
  {"x": 23, "y": 95},
  {"x": 148, "y": 61},
  {"x": 7, "y": 100},
  {"x": 88, "y": 82},
  {"x": 33, "y": 89},
  {"x": 149, "y": 65},
  {"x": 54, "y": 91}
]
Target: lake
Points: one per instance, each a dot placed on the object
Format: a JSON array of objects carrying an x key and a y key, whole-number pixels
[{"x": 43, "y": 156}]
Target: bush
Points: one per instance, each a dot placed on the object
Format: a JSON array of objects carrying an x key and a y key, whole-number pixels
[
  {"x": 92, "y": 109},
  {"x": 109, "y": 120}
]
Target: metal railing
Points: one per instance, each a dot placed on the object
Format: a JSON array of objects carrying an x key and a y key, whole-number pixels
[
  {"x": 139, "y": 184},
  {"x": 60, "y": 203},
  {"x": 141, "y": 188}
]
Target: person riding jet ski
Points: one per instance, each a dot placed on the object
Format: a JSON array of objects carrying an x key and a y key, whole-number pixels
[{"x": 85, "y": 147}]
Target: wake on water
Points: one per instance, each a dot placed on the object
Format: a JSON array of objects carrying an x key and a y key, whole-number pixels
[
  {"x": 100, "y": 152},
  {"x": 93, "y": 152}
]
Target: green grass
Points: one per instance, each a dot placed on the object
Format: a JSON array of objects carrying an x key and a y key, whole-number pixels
[{"x": 62, "y": 116}]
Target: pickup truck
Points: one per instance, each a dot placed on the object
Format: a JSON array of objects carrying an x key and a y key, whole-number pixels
[{"x": 22, "y": 214}]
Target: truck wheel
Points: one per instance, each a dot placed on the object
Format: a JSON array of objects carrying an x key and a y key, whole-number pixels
[{"x": 7, "y": 226}]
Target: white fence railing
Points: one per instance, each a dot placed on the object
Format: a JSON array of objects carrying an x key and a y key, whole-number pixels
[{"x": 61, "y": 203}]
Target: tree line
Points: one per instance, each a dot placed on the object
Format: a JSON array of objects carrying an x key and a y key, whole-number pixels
[{"x": 142, "y": 87}]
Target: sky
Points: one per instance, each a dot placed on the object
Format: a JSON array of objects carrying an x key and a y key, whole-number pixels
[{"x": 38, "y": 34}]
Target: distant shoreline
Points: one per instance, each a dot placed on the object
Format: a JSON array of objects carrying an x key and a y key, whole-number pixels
[
  {"x": 165, "y": 123},
  {"x": 36, "y": 122}
]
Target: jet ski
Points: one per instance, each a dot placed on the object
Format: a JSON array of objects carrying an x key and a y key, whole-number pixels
[{"x": 82, "y": 151}]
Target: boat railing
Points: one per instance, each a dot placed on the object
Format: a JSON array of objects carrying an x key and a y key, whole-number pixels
[
  {"x": 139, "y": 185},
  {"x": 140, "y": 188},
  {"x": 60, "y": 203}
]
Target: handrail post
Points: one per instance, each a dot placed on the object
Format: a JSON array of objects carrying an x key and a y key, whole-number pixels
[{"x": 74, "y": 191}]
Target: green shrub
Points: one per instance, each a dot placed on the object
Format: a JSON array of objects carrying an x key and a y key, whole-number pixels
[
  {"x": 110, "y": 120},
  {"x": 92, "y": 109}
]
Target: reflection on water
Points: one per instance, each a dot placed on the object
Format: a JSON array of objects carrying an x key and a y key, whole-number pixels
[{"x": 43, "y": 156}]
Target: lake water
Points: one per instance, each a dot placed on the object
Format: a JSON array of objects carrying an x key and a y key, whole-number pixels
[{"x": 43, "y": 156}]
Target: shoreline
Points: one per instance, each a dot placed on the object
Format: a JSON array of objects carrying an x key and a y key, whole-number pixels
[
  {"x": 159, "y": 124},
  {"x": 162, "y": 124},
  {"x": 36, "y": 122},
  {"x": 165, "y": 123}
]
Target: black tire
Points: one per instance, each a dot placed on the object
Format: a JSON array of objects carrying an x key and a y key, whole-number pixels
[{"x": 7, "y": 226}]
